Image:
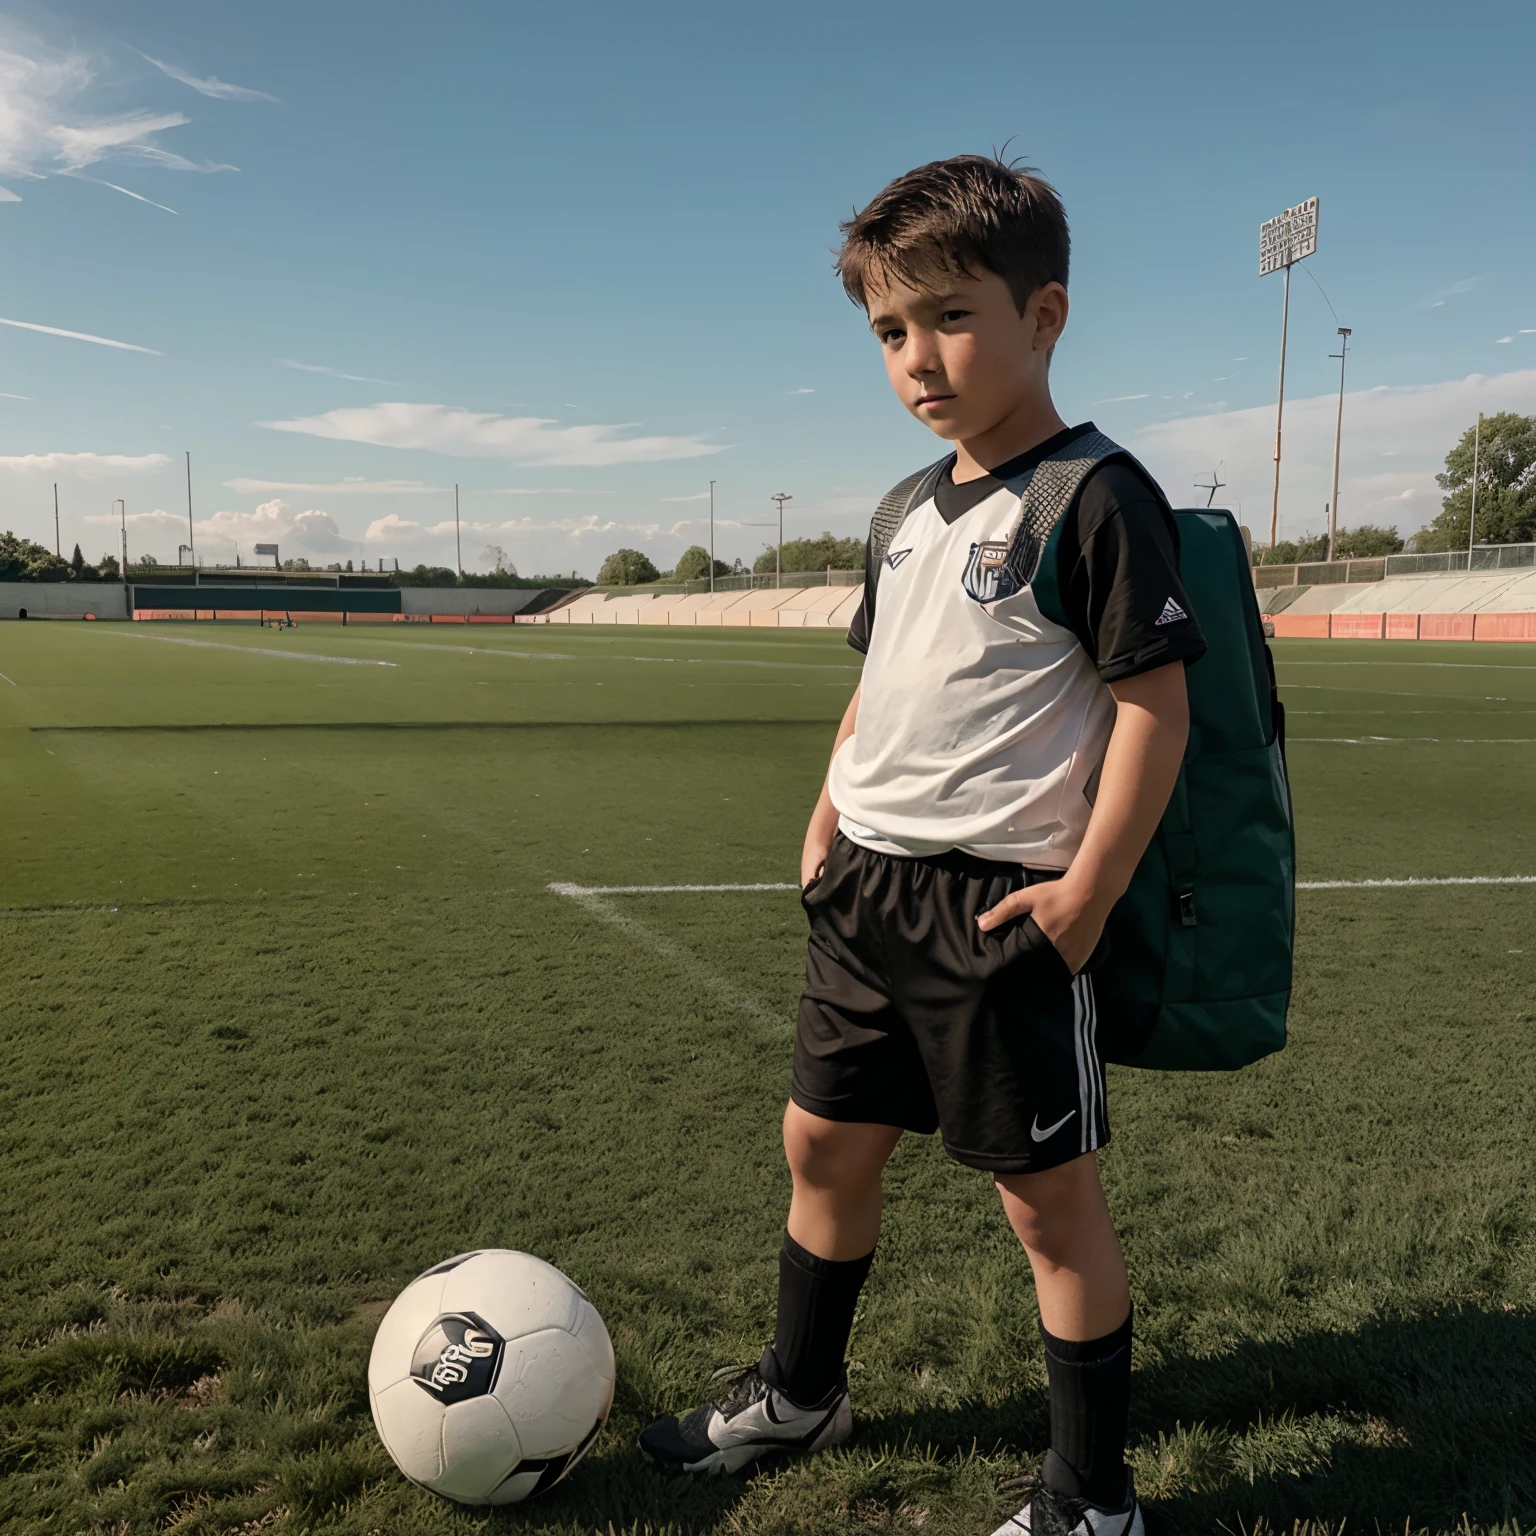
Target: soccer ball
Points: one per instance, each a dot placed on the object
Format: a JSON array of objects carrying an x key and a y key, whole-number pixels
[{"x": 490, "y": 1377}]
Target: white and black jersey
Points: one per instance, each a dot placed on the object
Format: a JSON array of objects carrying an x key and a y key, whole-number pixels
[{"x": 982, "y": 725}]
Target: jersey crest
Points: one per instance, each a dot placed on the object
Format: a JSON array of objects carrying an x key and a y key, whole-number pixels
[{"x": 988, "y": 572}]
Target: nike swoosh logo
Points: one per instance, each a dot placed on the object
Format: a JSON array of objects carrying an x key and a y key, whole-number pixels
[{"x": 1050, "y": 1130}]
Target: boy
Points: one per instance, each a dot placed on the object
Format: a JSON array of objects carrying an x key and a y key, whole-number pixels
[{"x": 992, "y": 787}]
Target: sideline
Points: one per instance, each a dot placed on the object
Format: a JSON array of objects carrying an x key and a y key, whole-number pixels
[
  {"x": 11, "y": 680},
  {"x": 579, "y": 892},
  {"x": 251, "y": 650},
  {"x": 1445, "y": 741},
  {"x": 590, "y": 900}
]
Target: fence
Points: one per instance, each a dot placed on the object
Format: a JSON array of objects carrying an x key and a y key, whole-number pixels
[
  {"x": 831, "y": 577},
  {"x": 1485, "y": 557}
]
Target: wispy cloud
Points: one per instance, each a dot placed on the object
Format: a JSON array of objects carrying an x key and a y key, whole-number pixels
[
  {"x": 6, "y": 395},
  {"x": 334, "y": 373},
  {"x": 450, "y": 429},
  {"x": 138, "y": 197},
  {"x": 1459, "y": 287},
  {"x": 1504, "y": 341},
  {"x": 355, "y": 486},
  {"x": 90, "y": 466},
  {"x": 220, "y": 90},
  {"x": 100, "y": 341},
  {"x": 1119, "y": 399},
  {"x": 48, "y": 128},
  {"x": 702, "y": 496},
  {"x": 799, "y": 391}
]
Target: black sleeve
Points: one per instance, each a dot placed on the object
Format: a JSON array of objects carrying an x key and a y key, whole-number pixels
[
  {"x": 864, "y": 620},
  {"x": 1119, "y": 577}
]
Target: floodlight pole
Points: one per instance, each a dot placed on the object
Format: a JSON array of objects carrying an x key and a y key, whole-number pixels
[
  {"x": 57, "y": 548},
  {"x": 1477, "y": 441},
  {"x": 191, "y": 540},
  {"x": 122, "y": 507},
  {"x": 778, "y": 554},
  {"x": 1338, "y": 430},
  {"x": 1285, "y": 323},
  {"x": 711, "y": 538},
  {"x": 458, "y": 546}
]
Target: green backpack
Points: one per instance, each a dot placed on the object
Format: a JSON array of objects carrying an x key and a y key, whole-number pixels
[{"x": 1199, "y": 969}]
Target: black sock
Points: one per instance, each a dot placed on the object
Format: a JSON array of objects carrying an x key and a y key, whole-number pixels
[
  {"x": 816, "y": 1302},
  {"x": 1090, "y": 1404}
]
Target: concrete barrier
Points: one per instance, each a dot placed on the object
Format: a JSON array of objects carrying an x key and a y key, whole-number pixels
[{"x": 63, "y": 600}]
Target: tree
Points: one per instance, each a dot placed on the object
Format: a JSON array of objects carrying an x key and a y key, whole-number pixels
[
  {"x": 22, "y": 560},
  {"x": 499, "y": 561},
  {"x": 146, "y": 562},
  {"x": 1506, "y": 487},
  {"x": 815, "y": 555},
  {"x": 427, "y": 576},
  {"x": 107, "y": 565},
  {"x": 298, "y": 563},
  {"x": 626, "y": 568},
  {"x": 693, "y": 565},
  {"x": 1367, "y": 542},
  {"x": 77, "y": 563}
]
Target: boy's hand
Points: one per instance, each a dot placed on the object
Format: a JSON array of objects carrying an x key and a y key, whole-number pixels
[
  {"x": 1066, "y": 911},
  {"x": 813, "y": 860}
]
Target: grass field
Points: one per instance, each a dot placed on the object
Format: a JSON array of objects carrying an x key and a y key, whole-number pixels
[{"x": 289, "y": 1011}]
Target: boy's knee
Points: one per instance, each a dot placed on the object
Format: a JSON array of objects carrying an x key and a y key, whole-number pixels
[
  {"x": 1050, "y": 1210},
  {"x": 829, "y": 1154}
]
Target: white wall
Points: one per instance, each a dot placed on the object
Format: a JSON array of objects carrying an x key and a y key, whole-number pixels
[
  {"x": 65, "y": 599},
  {"x": 466, "y": 599}
]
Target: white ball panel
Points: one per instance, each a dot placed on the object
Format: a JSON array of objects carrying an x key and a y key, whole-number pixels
[
  {"x": 593, "y": 1332},
  {"x": 550, "y": 1391},
  {"x": 412, "y": 1314},
  {"x": 480, "y": 1448},
  {"x": 410, "y": 1423},
  {"x": 514, "y": 1292}
]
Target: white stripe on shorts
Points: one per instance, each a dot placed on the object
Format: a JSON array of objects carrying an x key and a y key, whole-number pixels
[{"x": 1081, "y": 1003}]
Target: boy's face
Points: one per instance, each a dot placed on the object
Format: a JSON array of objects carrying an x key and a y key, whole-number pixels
[{"x": 965, "y": 360}]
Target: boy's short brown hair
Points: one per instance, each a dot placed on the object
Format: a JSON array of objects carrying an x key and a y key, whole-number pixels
[{"x": 962, "y": 216}]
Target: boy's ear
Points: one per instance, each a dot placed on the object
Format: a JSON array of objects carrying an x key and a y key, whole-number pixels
[{"x": 1049, "y": 305}]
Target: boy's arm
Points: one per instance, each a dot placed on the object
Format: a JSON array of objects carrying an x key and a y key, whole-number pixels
[
  {"x": 823, "y": 826},
  {"x": 1141, "y": 766}
]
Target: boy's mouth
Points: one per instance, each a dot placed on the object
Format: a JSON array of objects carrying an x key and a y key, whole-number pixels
[{"x": 932, "y": 400}]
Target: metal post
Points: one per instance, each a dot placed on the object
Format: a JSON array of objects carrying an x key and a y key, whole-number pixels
[
  {"x": 1285, "y": 323},
  {"x": 1338, "y": 430},
  {"x": 711, "y": 538},
  {"x": 1477, "y": 439},
  {"x": 57, "y": 548},
  {"x": 778, "y": 554},
  {"x": 123, "y": 513},
  {"x": 457, "y": 545},
  {"x": 191, "y": 540}
]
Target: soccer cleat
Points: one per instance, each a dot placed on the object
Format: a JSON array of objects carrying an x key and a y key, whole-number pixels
[
  {"x": 1050, "y": 1514},
  {"x": 753, "y": 1420}
]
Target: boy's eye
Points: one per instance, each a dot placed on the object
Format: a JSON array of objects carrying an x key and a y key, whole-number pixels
[
  {"x": 951, "y": 315},
  {"x": 891, "y": 337}
]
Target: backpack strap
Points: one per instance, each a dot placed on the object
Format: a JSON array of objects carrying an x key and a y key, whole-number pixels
[{"x": 893, "y": 509}]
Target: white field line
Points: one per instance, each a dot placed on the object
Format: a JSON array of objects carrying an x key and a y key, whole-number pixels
[
  {"x": 578, "y": 892},
  {"x": 11, "y": 680},
  {"x": 591, "y": 901},
  {"x": 1372, "y": 885},
  {"x": 251, "y": 650},
  {"x": 1476, "y": 666},
  {"x": 674, "y": 661},
  {"x": 1449, "y": 741}
]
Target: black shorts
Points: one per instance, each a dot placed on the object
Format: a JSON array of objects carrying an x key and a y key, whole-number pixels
[{"x": 912, "y": 1016}]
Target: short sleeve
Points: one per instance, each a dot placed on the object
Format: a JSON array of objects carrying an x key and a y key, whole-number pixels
[
  {"x": 863, "y": 622},
  {"x": 1120, "y": 577}
]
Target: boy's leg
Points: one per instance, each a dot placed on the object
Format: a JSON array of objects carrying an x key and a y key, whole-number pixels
[
  {"x": 796, "y": 1397},
  {"x": 1063, "y": 1221},
  {"x": 834, "y": 1222}
]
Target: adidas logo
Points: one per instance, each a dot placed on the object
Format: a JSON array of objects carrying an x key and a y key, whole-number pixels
[
  {"x": 896, "y": 556},
  {"x": 1171, "y": 613}
]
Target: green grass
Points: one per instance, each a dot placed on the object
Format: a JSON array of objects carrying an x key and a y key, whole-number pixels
[{"x": 288, "y": 1012}]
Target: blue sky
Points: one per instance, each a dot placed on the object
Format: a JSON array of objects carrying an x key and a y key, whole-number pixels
[{"x": 577, "y": 258}]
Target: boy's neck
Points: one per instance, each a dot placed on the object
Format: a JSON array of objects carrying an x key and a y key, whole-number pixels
[{"x": 1027, "y": 426}]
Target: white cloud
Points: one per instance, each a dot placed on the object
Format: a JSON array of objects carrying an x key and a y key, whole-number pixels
[
  {"x": 451, "y": 429},
  {"x": 701, "y": 496},
  {"x": 89, "y": 466},
  {"x": 1503, "y": 341},
  {"x": 224, "y": 534},
  {"x": 1118, "y": 399},
  {"x": 334, "y": 373},
  {"x": 100, "y": 341},
  {"x": 48, "y": 129},
  {"x": 220, "y": 90},
  {"x": 351, "y": 487},
  {"x": 799, "y": 391},
  {"x": 1414, "y": 425}
]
